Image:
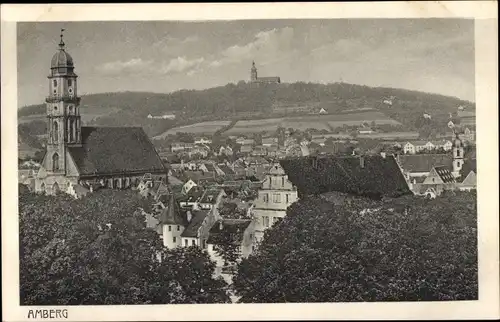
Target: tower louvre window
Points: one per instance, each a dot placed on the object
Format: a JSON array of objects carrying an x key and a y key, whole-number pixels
[
  {"x": 70, "y": 82},
  {"x": 55, "y": 83}
]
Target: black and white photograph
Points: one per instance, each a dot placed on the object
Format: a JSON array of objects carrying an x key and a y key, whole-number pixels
[{"x": 247, "y": 161}]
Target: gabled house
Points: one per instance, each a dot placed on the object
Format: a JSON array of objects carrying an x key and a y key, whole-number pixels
[
  {"x": 197, "y": 230},
  {"x": 189, "y": 199},
  {"x": 439, "y": 179},
  {"x": 188, "y": 185},
  {"x": 239, "y": 232},
  {"x": 211, "y": 198}
]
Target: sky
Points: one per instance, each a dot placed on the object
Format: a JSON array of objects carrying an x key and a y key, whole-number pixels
[{"x": 431, "y": 55}]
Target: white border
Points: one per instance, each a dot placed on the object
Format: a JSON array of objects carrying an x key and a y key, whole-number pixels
[{"x": 487, "y": 147}]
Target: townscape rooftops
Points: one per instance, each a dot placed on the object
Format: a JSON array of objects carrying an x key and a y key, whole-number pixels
[
  {"x": 198, "y": 216},
  {"x": 227, "y": 170},
  {"x": 210, "y": 196},
  {"x": 234, "y": 227},
  {"x": 445, "y": 174},
  {"x": 371, "y": 176},
  {"x": 171, "y": 215},
  {"x": 424, "y": 162},
  {"x": 127, "y": 149}
]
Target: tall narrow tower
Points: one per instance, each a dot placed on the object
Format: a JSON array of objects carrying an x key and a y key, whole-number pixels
[
  {"x": 458, "y": 155},
  {"x": 63, "y": 112},
  {"x": 253, "y": 72}
]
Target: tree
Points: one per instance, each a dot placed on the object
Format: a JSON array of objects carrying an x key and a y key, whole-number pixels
[
  {"x": 98, "y": 251},
  {"x": 404, "y": 249},
  {"x": 226, "y": 246}
]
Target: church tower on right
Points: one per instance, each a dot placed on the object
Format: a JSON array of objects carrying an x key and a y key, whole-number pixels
[
  {"x": 458, "y": 155},
  {"x": 253, "y": 72}
]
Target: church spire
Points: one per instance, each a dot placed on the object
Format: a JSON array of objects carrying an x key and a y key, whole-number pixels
[{"x": 61, "y": 43}]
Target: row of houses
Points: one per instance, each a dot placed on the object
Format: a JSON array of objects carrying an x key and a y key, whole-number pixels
[{"x": 413, "y": 147}]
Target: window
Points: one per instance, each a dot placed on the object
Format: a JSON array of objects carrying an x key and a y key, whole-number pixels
[
  {"x": 178, "y": 227},
  {"x": 433, "y": 180},
  {"x": 175, "y": 239},
  {"x": 70, "y": 82},
  {"x": 55, "y": 162},
  {"x": 282, "y": 181},
  {"x": 193, "y": 242},
  {"x": 55, "y": 82},
  {"x": 186, "y": 242},
  {"x": 169, "y": 228},
  {"x": 276, "y": 198},
  {"x": 287, "y": 198},
  {"x": 55, "y": 133},
  {"x": 265, "y": 197},
  {"x": 266, "y": 221}
]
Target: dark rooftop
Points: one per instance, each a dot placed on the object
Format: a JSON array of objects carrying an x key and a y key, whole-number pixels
[
  {"x": 197, "y": 220},
  {"x": 109, "y": 150},
  {"x": 235, "y": 227},
  {"x": 369, "y": 176}
]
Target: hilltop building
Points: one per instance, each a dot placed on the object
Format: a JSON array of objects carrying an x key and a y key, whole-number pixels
[
  {"x": 262, "y": 80},
  {"x": 88, "y": 157}
]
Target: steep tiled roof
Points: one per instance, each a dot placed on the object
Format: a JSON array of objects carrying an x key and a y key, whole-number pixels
[
  {"x": 108, "y": 150},
  {"x": 424, "y": 162},
  {"x": 193, "y": 194},
  {"x": 370, "y": 176},
  {"x": 235, "y": 227},
  {"x": 445, "y": 174},
  {"x": 171, "y": 214},
  {"x": 210, "y": 196},
  {"x": 196, "y": 221},
  {"x": 227, "y": 170},
  {"x": 210, "y": 167}
]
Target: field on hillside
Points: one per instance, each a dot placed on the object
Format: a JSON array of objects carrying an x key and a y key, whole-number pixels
[
  {"x": 87, "y": 114},
  {"x": 197, "y": 128},
  {"x": 318, "y": 122}
]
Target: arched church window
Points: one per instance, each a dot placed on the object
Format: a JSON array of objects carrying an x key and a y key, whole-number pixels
[
  {"x": 55, "y": 133},
  {"x": 55, "y": 83},
  {"x": 71, "y": 129},
  {"x": 70, "y": 82},
  {"x": 55, "y": 162},
  {"x": 55, "y": 188}
]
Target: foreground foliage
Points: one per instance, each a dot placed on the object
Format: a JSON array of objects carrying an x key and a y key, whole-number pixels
[
  {"x": 99, "y": 251},
  {"x": 405, "y": 249}
]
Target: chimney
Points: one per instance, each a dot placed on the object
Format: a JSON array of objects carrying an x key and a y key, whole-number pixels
[
  {"x": 362, "y": 162},
  {"x": 382, "y": 154},
  {"x": 189, "y": 216}
]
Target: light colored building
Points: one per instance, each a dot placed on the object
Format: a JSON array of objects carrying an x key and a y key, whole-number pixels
[{"x": 275, "y": 196}]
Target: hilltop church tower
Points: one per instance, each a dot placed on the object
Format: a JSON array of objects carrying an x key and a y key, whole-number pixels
[
  {"x": 253, "y": 72},
  {"x": 63, "y": 112}
]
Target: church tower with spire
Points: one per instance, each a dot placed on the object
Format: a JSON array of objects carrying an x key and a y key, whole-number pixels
[
  {"x": 63, "y": 112},
  {"x": 253, "y": 72},
  {"x": 458, "y": 154}
]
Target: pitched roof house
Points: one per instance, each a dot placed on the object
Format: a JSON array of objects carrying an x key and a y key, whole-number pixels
[{"x": 369, "y": 176}]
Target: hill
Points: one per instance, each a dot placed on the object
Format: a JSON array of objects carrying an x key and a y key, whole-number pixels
[{"x": 246, "y": 101}]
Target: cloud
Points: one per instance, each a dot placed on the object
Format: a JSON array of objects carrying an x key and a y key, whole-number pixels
[
  {"x": 138, "y": 66},
  {"x": 182, "y": 64},
  {"x": 266, "y": 45},
  {"x": 134, "y": 65}
]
